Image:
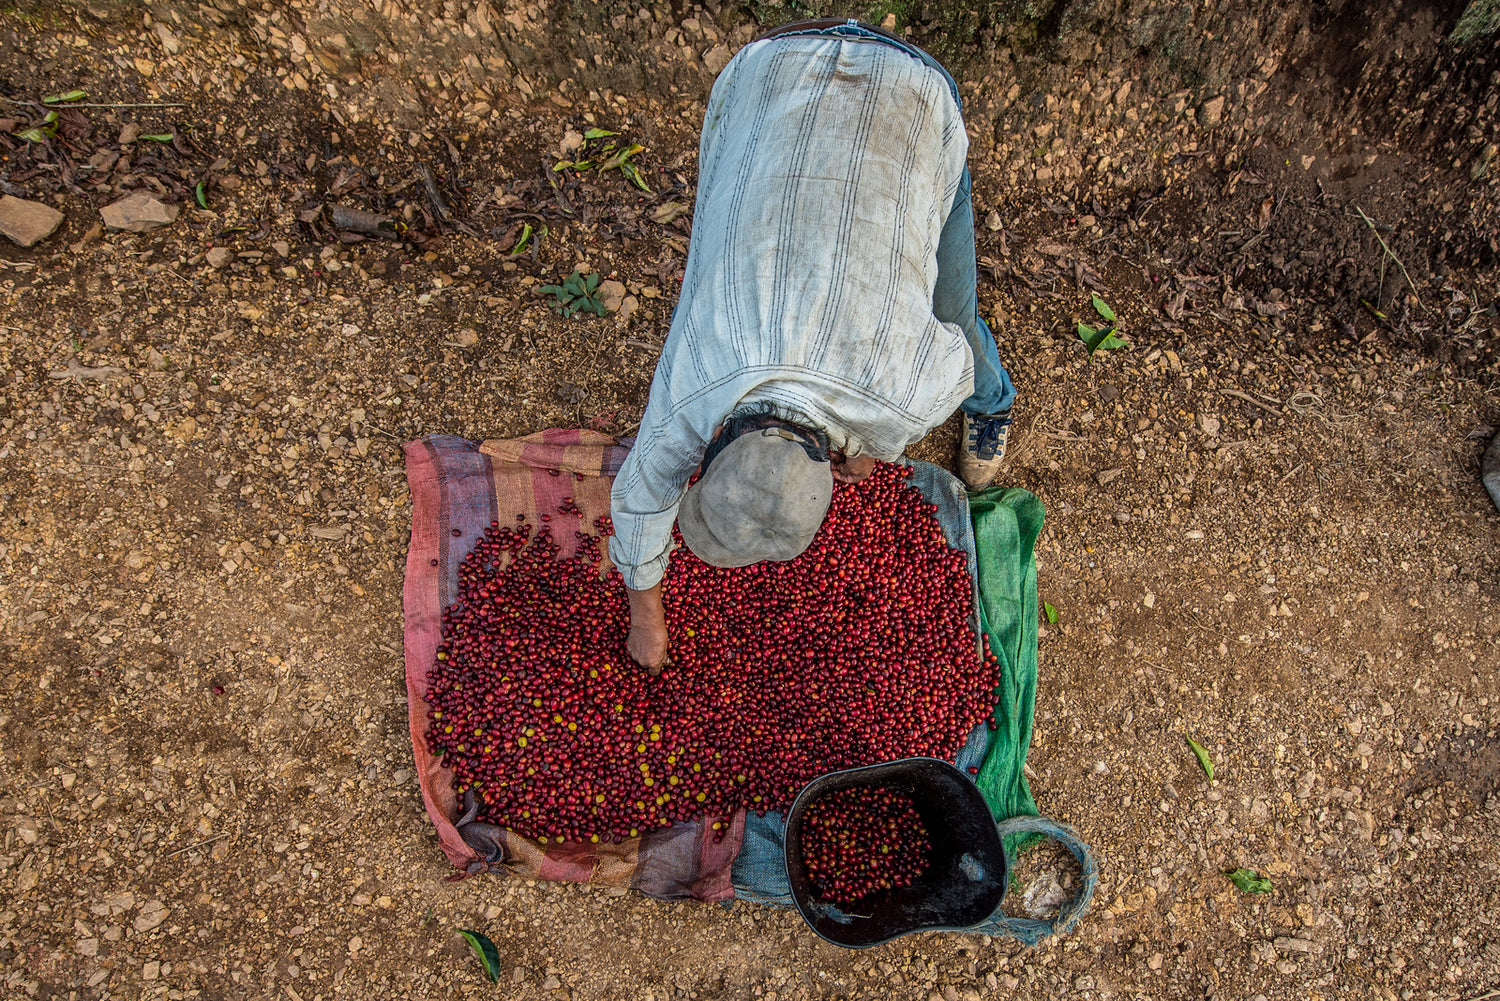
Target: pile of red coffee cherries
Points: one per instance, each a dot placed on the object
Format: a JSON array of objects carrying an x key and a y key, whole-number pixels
[
  {"x": 861, "y": 839},
  {"x": 858, "y": 651}
]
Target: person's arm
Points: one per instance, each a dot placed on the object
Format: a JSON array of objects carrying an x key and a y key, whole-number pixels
[{"x": 643, "y": 507}]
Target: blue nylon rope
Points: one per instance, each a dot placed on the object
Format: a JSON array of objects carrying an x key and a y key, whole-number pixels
[{"x": 1030, "y": 931}]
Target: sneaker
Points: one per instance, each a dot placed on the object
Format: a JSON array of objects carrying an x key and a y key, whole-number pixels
[{"x": 983, "y": 448}]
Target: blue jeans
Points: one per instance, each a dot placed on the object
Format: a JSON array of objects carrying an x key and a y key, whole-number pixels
[{"x": 956, "y": 298}]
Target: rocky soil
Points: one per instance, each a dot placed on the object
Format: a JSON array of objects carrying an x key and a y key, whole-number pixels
[{"x": 1266, "y": 529}]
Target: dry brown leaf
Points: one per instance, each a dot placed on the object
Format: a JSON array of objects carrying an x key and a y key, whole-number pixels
[{"x": 1263, "y": 218}]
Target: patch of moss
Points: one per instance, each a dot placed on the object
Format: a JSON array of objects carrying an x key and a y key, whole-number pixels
[{"x": 1480, "y": 18}]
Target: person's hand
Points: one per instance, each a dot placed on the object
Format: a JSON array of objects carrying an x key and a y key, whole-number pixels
[
  {"x": 647, "y": 643},
  {"x": 852, "y": 469}
]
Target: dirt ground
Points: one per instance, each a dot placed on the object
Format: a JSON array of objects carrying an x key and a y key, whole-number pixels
[{"x": 1265, "y": 528}]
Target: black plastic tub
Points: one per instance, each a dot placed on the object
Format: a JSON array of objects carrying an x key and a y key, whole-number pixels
[{"x": 966, "y": 873}]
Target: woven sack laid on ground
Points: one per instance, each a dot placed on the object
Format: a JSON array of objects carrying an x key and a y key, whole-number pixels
[{"x": 459, "y": 485}]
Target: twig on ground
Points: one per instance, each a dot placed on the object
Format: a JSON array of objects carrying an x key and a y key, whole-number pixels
[
  {"x": 82, "y": 104},
  {"x": 170, "y": 104},
  {"x": 1251, "y": 400},
  {"x": 216, "y": 837},
  {"x": 1391, "y": 254}
]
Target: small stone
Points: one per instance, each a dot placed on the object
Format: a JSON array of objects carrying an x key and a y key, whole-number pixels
[
  {"x": 716, "y": 58},
  {"x": 152, "y": 914},
  {"x": 551, "y": 984},
  {"x": 1155, "y": 961},
  {"x": 88, "y": 947},
  {"x": 26, "y": 222},
  {"x": 169, "y": 41},
  {"x": 282, "y": 248},
  {"x": 1149, "y": 600},
  {"x": 1287, "y": 944},
  {"x": 1213, "y": 111},
  {"x": 612, "y": 294},
  {"x": 138, "y": 213},
  {"x": 992, "y": 222},
  {"x": 151, "y": 970},
  {"x": 1208, "y": 425},
  {"x": 219, "y": 256}
]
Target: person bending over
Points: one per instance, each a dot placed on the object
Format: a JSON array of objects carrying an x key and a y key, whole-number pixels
[{"x": 828, "y": 315}]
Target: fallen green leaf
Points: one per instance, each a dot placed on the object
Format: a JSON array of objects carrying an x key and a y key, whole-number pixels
[
  {"x": 1113, "y": 343},
  {"x": 524, "y": 241},
  {"x": 72, "y": 95},
  {"x": 633, "y": 174},
  {"x": 1102, "y": 308},
  {"x": 160, "y": 137},
  {"x": 1248, "y": 881},
  {"x": 622, "y": 156},
  {"x": 202, "y": 196},
  {"x": 667, "y": 212},
  {"x": 1050, "y": 612},
  {"x": 1100, "y": 338},
  {"x": 488, "y": 955},
  {"x": 599, "y": 133},
  {"x": 1203, "y": 758},
  {"x": 42, "y": 131}
]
